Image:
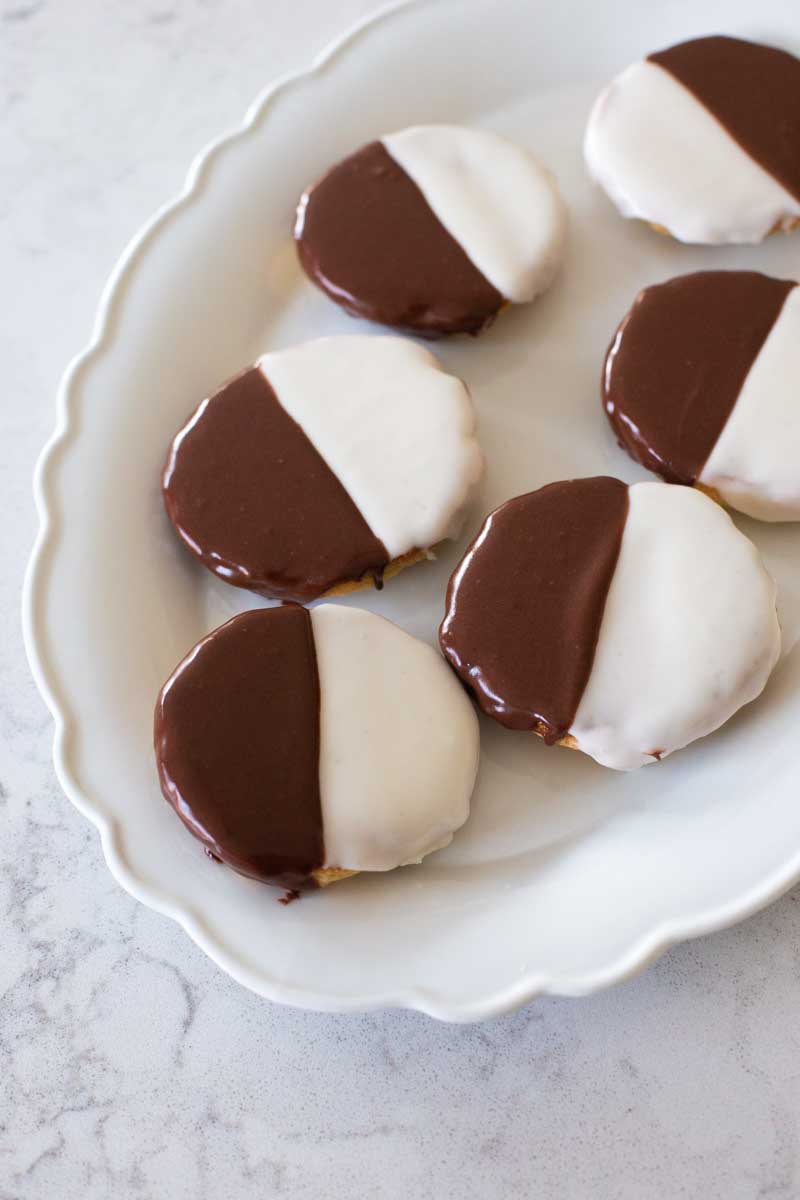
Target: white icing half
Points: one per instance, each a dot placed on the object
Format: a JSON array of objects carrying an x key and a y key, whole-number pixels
[
  {"x": 755, "y": 465},
  {"x": 396, "y": 430},
  {"x": 398, "y": 742},
  {"x": 493, "y": 197},
  {"x": 661, "y": 156},
  {"x": 689, "y": 632}
]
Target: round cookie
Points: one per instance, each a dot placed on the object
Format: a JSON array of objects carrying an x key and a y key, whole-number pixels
[
  {"x": 700, "y": 385},
  {"x": 433, "y": 229},
  {"x": 700, "y": 140},
  {"x": 324, "y": 467},
  {"x": 623, "y": 621},
  {"x": 302, "y": 746}
]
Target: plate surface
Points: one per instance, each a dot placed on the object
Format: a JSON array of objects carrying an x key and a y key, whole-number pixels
[{"x": 567, "y": 877}]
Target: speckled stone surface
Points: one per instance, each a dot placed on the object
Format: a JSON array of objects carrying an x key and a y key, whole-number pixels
[{"x": 131, "y": 1067}]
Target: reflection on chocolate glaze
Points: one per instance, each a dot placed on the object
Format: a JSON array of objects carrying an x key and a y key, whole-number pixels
[
  {"x": 678, "y": 361},
  {"x": 367, "y": 236},
  {"x": 237, "y": 746},
  {"x": 254, "y": 500},
  {"x": 525, "y": 604},
  {"x": 752, "y": 90}
]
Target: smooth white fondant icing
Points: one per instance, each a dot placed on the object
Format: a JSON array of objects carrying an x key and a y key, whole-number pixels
[
  {"x": 393, "y": 426},
  {"x": 689, "y": 632},
  {"x": 398, "y": 742},
  {"x": 663, "y": 157},
  {"x": 496, "y": 200},
  {"x": 755, "y": 465}
]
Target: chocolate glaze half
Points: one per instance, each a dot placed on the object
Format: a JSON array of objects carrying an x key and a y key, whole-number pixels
[
  {"x": 752, "y": 90},
  {"x": 524, "y": 606},
  {"x": 368, "y": 238},
  {"x": 250, "y": 495},
  {"x": 678, "y": 361},
  {"x": 237, "y": 746}
]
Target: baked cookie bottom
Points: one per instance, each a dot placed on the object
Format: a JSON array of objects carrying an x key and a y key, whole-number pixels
[
  {"x": 324, "y": 876},
  {"x": 390, "y": 570},
  {"x": 567, "y": 740},
  {"x": 712, "y": 493},
  {"x": 778, "y": 227}
]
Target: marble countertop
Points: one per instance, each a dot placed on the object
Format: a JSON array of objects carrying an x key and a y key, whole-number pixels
[{"x": 132, "y": 1067}]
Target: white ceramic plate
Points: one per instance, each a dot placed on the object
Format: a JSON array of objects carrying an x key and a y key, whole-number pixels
[{"x": 568, "y": 877}]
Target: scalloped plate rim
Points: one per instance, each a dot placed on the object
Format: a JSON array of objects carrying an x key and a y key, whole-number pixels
[{"x": 644, "y": 950}]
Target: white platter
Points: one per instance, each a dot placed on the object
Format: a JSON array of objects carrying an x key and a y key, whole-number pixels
[{"x": 568, "y": 877}]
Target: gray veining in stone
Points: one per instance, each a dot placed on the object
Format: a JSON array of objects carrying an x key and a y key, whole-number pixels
[{"x": 131, "y": 1067}]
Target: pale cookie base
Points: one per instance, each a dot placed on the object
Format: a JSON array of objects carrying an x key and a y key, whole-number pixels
[
  {"x": 326, "y": 875},
  {"x": 778, "y": 227},
  {"x": 567, "y": 740},
  {"x": 393, "y": 568},
  {"x": 570, "y": 742},
  {"x": 711, "y": 492}
]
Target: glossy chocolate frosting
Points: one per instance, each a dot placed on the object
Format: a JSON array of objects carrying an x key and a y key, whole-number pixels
[
  {"x": 525, "y": 604},
  {"x": 752, "y": 90},
  {"x": 678, "y": 361},
  {"x": 366, "y": 235},
  {"x": 237, "y": 745},
  {"x": 250, "y": 496}
]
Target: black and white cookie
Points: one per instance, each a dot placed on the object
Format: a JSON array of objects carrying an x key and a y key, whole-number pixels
[
  {"x": 302, "y": 746},
  {"x": 701, "y": 384},
  {"x": 702, "y": 140},
  {"x": 433, "y": 229},
  {"x": 324, "y": 467},
  {"x": 623, "y": 621}
]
